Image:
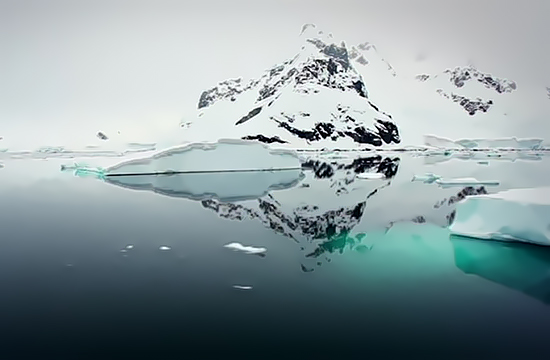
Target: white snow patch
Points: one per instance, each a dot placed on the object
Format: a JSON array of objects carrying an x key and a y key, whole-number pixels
[
  {"x": 246, "y": 249},
  {"x": 513, "y": 215}
]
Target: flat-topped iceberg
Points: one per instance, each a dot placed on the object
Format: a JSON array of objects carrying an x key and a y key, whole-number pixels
[
  {"x": 461, "y": 182},
  {"x": 430, "y": 178},
  {"x": 498, "y": 143},
  {"x": 229, "y": 170},
  {"x": 225, "y": 155},
  {"x": 514, "y": 215}
]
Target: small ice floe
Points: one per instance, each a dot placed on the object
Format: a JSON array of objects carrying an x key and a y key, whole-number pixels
[
  {"x": 427, "y": 178},
  {"x": 165, "y": 248},
  {"x": 242, "y": 287},
  {"x": 127, "y": 248},
  {"x": 465, "y": 182},
  {"x": 513, "y": 215},
  {"x": 370, "y": 176},
  {"x": 246, "y": 249}
]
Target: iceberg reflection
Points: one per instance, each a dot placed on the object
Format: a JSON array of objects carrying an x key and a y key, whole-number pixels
[
  {"x": 224, "y": 186},
  {"x": 522, "y": 267}
]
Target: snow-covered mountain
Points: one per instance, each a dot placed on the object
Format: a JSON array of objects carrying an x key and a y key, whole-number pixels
[
  {"x": 335, "y": 95},
  {"x": 452, "y": 87},
  {"x": 315, "y": 99}
]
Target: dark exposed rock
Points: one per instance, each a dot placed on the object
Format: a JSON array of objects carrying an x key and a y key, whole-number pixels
[
  {"x": 265, "y": 139},
  {"x": 388, "y": 131},
  {"x": 471, "y": 106},
  {"x": 422, "y": 77},
  {"x": 461, "y": 195},
  {"x": 364, "y": 136},
  {"x": 322, "y": 170},
  {"x": 227, "y": 89},
  {"x": 249, "y": 116},
  {"x": 459, "y": 76},
  {"x": 101, "y": 136}
]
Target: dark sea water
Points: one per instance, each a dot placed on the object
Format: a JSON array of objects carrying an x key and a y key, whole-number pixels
[{"x": 82, "y": 275}]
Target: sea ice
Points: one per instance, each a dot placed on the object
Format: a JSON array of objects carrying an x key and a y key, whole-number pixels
[
  {"x": 246, "y": 249},
  {"x": 165, "y": 248},
  {"x": 465, "y": 182},
  {"x": 242, "y": 287},
  {"x": 514, "y": 215}
]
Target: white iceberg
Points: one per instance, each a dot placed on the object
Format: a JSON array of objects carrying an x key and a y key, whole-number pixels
[
  {"x": 246, "y": 249},
  {"x": 242, "y": 287},
  {"x": 226, "y": 155},
  {"x": 428, "y": 178},
  {"x": 465, "y": 182},
  {"x": 370, "y": 176},
  {"x": 514, "y": 215},
  {"x": 229, "y": 170},
  {"x": 511, "y": 143}
]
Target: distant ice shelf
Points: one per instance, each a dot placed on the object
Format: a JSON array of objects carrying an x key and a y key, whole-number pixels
[
  {"x": 430, "y": 178},
  {"x": 504, "y": 143},
  {"x": 514, "y": 215},
  {"x": 462, "y": 182}
]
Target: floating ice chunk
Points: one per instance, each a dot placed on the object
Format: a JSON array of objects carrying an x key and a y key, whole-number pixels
[
  {"x": 512, "y": 142},
  {"x": 517, "y": 266},
  {"x": 226, "y": 155},
  {"x": 246, "y": 249},
  {"x": 513, "y": 215},
  {"x": 229, "y": 170},
  {"x": 428, "y": 178},
  {"x": 242, "y": 287},
  {"x": 129, "y": 247},
  {"x": 165, "y": 248},
  {"x": 465, "y": 182},
  {"x": 370, "y": 176}
]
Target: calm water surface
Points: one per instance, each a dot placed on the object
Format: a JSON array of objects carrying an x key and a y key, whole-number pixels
[{"x": 346, "y": 273}]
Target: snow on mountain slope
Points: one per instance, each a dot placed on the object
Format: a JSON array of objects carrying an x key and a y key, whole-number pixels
[{"x": 315, "y": 99}]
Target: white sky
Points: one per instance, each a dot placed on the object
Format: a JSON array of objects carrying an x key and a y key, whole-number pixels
[{"x": 75, "y": 67}]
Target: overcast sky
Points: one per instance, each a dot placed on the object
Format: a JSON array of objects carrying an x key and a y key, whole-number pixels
[{"x": 76, "y": 66}]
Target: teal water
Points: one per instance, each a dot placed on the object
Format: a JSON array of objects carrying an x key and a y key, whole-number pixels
[{"x": 346, "y": 274}]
